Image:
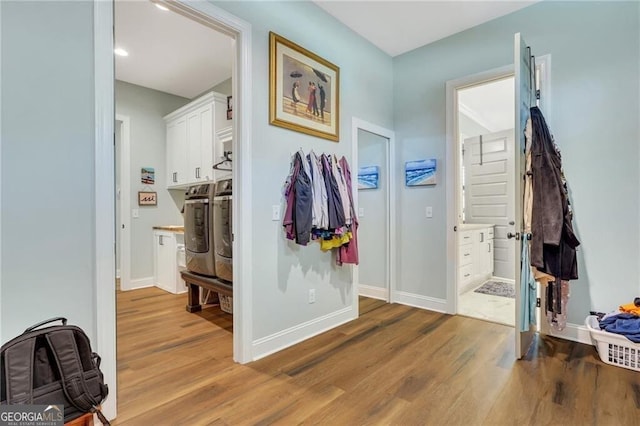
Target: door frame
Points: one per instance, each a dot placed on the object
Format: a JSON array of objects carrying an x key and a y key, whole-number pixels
[
  {"x": 453, "y": 165},
  {"x": 104, "y": 185},
  {"x": 543, "y": 65},
  {"x": 125, "y": 202},
  {"x": 390, "y": 238}
]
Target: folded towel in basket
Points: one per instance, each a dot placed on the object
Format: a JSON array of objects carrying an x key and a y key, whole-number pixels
[{"x": 625, "y": 324}]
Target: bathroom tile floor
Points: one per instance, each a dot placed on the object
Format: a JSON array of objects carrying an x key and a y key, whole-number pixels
[{"x": 487, "y": 307}]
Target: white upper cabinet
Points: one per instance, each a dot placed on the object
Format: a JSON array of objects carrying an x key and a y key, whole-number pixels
[
  {"x": 191, "y": 140},
  {"x": 176, "y": 154}
]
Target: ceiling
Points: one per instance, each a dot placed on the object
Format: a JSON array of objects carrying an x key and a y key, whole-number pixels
[
  {"x": 490, "y": 105},
  {"x": 397, "y": 27},
  {"x": 176, "y": 55},
  {"x": 169, "y": 52}
]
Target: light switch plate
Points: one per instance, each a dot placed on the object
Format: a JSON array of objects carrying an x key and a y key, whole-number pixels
[
  {"x": 275, "y": 212},
  {"x": 429, "y": 212},
  {"x": 135, "y": 213},
  {"x": 360, "y": 212}
]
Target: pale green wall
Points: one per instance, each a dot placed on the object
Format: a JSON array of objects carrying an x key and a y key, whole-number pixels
[
  {"x": 594, "y": 115},
  {"x": 283, "y": 273},
  {"x": 48, "y": 243},
  {"x": 224, "y": 87},
  {"x": 145, "y": 109},
  {"x": 48, "y": 260}
]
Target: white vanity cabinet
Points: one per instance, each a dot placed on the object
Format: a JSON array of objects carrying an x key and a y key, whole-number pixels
[
  {"x": 191, "y": 140},
  {"x": 166, "y": 261},
  {"x": 475, "y": 255}
]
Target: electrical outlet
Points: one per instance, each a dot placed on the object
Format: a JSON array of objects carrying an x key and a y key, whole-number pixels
[
  {"x": 312, "y": 295},
  {"x": 429, "y": 212},
  {"x": 275, "y": 212}
]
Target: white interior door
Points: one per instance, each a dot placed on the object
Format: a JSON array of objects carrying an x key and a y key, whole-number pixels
[
  {"x": 373, "y": 215},
  {"x": 489, "y": 192},
  {"x": 374, "y": 146},
  {"x": 123, "y": 199},
  {"x": 524, "y": 98}
]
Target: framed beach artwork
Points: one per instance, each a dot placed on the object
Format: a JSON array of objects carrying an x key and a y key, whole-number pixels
[
  {"x": 148, "y": 175},
  {"x": 303, "y": 90},
  {"x": 420, "y": 172},
  {"x": 368, "y": 177}
]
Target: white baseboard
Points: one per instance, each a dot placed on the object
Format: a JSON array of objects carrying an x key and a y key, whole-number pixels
[
  {"x": 469, "y": 287},
  {"x": 289, "y": 337},
  {"x": 574, "y": 332},
  {"x": 372, "y": 291},
  {"x": 419, "y": 301},
  {"x": 139, "y": 283},
  {"x": 504, "y": 280}
]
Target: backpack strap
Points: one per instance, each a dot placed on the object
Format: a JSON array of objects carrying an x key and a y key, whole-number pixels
[
  {"x": 65, "y": 351},
  {"x": 18, "y": 365}
]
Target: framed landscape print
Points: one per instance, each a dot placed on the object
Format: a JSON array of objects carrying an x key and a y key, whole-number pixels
[
  {"x": 420, "y": 172},
  {"x": 368, "y": 177},
  {"x": 303, "y": 90}
]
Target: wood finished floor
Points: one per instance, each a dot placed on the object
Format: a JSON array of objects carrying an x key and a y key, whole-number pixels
[{"x": 395, "y": 365}]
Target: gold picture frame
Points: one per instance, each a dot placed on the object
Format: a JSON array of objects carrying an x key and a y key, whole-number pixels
[{"x": 304, "y": 90}]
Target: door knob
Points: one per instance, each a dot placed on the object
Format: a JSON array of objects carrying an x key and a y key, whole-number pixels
[{"x": 511, "y": 235}]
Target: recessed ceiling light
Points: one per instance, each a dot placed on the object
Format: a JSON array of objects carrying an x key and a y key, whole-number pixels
[
  {"x": 161, "y": 7},
  {"x": 120, "y": 51}
]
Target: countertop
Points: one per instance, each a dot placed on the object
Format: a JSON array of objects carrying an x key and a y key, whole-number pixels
[
  {"x": 172, "y": 228},
  {"x": 471, "y": 226}
]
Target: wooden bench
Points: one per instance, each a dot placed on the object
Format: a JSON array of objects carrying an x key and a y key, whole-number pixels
[
  {"x": 195, "y": 281},
  {"x": 84, "y": 420}
]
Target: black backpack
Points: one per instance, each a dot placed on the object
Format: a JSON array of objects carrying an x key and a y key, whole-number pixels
[{"x": 53, "y": 365}]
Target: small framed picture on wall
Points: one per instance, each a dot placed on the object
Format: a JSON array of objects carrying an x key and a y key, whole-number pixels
[{"x": 147, "y": 198}]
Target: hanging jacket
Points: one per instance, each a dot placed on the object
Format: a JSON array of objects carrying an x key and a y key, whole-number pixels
[
  {"x": 553, "y": 243},
  {"x": 290, "y": 196},
  {"x": 348, "y": 253},
  {"x": 342, "y": 189},
  {"x": 319, "y": 192},
  {"x": 302, "y": 213},
  {"x": 334, "y": 203}
]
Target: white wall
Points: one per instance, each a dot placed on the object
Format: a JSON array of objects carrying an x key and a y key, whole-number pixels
[
  {"x": 48, "y": 261},
  {"x": 283, "y": 272},
  {"x": 145, "y": 108},
  {"x": 594, "y": 48},
  {"x": 468, "y": 127},
  {"x": 372, "y": 231}
]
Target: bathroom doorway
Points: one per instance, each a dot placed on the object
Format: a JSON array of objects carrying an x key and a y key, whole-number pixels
[{"x": 485, "y": 193}]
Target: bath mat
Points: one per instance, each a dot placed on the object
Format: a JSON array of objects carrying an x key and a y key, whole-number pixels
[{"x": 497, "y": 288}]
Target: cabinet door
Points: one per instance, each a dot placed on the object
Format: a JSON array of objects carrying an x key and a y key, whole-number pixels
[
  {"x": 490, "y": 260},
  {"x": 164, "y": 260},
  {"x": 206, "y": 142},
  {"x": 194, "y": 144},
  {"x": 176, "y": 152},
  {"x": 485, "y": 257},
  {"x": 478, "y": 242}
]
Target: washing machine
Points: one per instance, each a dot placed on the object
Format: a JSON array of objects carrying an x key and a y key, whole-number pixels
[{"x": 223, "y": 229}]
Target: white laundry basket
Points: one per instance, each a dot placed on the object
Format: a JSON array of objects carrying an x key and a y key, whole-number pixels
[{"x": 614, "y": 349}]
